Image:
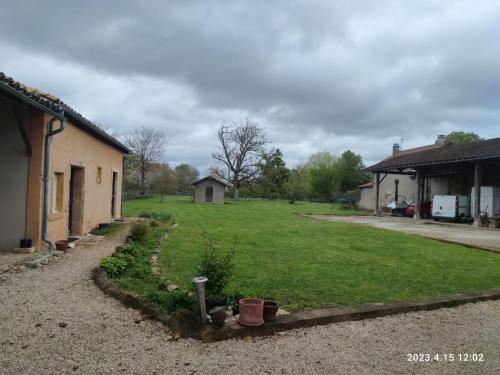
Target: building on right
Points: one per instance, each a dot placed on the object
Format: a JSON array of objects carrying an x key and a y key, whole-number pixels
[{"x": 416, "y": 175}]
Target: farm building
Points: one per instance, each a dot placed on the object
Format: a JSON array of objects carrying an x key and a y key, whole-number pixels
[
  {"x": 469, "y": 169},
  {"x": 210, "y": 189},
  {"x": 394, "y": 187},
  {"x": 62, "y": 174}
]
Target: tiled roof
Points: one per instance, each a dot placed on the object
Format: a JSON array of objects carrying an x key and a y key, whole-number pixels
[
  {"x": 416, "y": 149},
  {"x": 448, "y": 153},
  {"x": 53, "y": 104},
  {"x": 212, "y": 177}
]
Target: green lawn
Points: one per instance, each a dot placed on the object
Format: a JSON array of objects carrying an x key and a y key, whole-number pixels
[{"x": 305, "y": 263}]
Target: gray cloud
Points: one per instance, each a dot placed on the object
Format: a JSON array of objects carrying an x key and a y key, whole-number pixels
[{"x": 317, "y": 75}]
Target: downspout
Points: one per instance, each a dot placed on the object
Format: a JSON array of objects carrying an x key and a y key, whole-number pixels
[{"x": 46, "y": 167}]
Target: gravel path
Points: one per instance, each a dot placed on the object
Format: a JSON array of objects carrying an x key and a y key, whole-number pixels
[{"x": 101, "y": 335}]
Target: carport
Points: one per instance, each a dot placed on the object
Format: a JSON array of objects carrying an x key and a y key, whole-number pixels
[
  {"x": 14, "y": 155},
  {"x": 450, "y": 169}
]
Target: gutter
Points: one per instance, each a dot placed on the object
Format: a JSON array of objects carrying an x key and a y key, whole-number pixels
[
  {"x": 12, "y": 91},
  {"x": 46, "y": 167}
]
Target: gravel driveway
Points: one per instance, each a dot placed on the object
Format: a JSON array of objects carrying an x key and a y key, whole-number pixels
[{"x": 55, "y": 320}]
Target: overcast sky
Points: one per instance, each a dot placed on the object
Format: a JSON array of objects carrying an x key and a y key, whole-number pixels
[{"x": 319, "y": 76}]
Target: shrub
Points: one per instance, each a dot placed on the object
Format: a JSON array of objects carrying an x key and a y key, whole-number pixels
[
  {"x": 154, "y": 223},
  {"x": 116, "y": 264},
  {"x": 170, "y": 301},
  {"x": 105, "y": 229},
  {"x": 139, "y": 230},
  {"x": 216, "y": 265},
  {"x": 233, "y": 300}
]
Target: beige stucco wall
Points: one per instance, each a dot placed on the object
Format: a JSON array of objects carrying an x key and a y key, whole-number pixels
[
  {"x": 406, "y": 191},
  {"x": 78, "y": 148},
  {"x": 366, "y": 199},
  {"x": 199, "y": 192}
]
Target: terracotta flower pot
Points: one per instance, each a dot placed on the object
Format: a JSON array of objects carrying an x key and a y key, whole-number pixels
[
  {"x": 270, "y": 310},
  {"x": 62, "y": 245},
  {"x": 251, "y": 312}
]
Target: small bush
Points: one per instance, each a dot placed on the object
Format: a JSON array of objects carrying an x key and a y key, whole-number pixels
[
  {"x": 139, "y": 230},
  {"x": 170, "y": 301},
  {"x": 216, "y": 265},
  {"x": 154, "y": 223},
  {"x": 233, "y": 300},
  {"x": 104, "y": 230},
  {"x": 116, "y": 264}
]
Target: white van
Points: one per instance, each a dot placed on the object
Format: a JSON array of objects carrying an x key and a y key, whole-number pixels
[{"x": 451, "y": 207}]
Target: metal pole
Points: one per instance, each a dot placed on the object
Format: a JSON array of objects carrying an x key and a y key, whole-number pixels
[{"x": 200, "y": 288}]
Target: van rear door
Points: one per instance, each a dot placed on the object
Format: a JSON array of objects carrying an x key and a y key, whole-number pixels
[{"x": 444, "y": 206}]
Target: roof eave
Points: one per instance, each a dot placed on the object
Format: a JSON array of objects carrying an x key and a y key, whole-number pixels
[
  {"x": 388, "y": 169},
  {"x": 26, "y": 99}
]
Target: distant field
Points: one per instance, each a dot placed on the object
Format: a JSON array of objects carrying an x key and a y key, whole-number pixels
[{"x": 305, "y": 263}]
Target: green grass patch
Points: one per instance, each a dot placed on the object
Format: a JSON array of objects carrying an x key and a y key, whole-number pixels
[
  {"x": 304, "y": 263},
  {"x": 106, "y": 230},
  {"x": 130, "y": 268}
]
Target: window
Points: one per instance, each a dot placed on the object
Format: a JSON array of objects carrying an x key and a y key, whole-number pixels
[
  {"x": 57, "y": 192},
  {"x": 99, "y": 175}
]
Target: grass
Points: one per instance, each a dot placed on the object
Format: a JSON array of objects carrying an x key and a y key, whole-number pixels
[
  {"x": 137, "y": 276},
  {"x": 106, "y": 230},
  {"x": 304, "y": 263}
]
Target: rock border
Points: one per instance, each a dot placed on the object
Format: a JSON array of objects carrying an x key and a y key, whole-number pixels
[
  {"x": 308, "y": 318},
  {"x": 300, "y": 319},
  {"x": 153, "y": 310}
]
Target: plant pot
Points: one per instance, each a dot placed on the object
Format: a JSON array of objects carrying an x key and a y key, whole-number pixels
[
  {"x": 251, "y": 312},
  {"x": 218, "y": 315},
  {"x": 62, "y": 245},
  {"x": 270, "y": 310}
]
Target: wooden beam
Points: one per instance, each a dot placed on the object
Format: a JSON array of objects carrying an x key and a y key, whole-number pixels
[
  {"x": 418, "y": 195},
  {"x": 476, "y": 210},
  {"x": 377, "y": 194}
]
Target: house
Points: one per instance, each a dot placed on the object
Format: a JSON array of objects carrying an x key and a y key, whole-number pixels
[
  {"x": 210, "y": 189},
  {"x": 61, "y": 174},
  {"x": 390, "y": 185},
  {"x": 461, "y": 169}
]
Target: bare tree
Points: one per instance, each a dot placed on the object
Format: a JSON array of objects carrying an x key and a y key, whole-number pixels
[
  {"x": 185, "y": 175},
  {"x": 147, "y": 145},
  {"x": 242, "y": 149}
]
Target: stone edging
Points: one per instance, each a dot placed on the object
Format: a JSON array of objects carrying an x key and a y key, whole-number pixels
[
  {"x": 128, "y": 299},
  {"x": 300, "y": 319},
  {"x": 308, "y": 318}
]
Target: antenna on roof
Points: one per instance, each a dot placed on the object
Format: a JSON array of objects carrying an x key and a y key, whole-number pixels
[{"x": 401, "y": 142}]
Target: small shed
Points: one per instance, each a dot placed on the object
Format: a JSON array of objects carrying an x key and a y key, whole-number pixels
[{"x": 210, "y": 189}]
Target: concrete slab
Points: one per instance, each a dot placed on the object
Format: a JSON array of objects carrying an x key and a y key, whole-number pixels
[
  {"x": 463, "y": 234},
  {"x": 24, "y": 250}
]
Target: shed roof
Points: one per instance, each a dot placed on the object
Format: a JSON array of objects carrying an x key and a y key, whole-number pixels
[
  {"x": 214, "y": 178},
  {"x": 446, "y": 154},
  {"x": 56, "y": 106}
]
